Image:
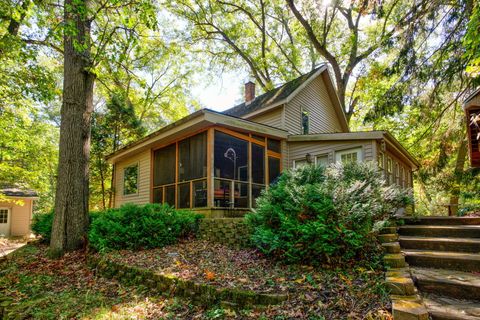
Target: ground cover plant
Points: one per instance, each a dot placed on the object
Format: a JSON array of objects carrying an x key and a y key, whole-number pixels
[{"x": 325, "y": 215}]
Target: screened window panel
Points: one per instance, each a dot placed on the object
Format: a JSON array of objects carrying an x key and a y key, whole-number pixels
[
  {"x": 200, "y": 194},
  {"x": 184, "y": 195},
  {"x": 241, "y": 195},
  {"x": 130, "y": 180},
  {"x": 170, "y": 195},
  {"x": 256, "y": 192},
  {"x": 274, "y": 145},
  {"x": 322, "y": 160},
  {"x": 192, "y": 154},
  {"x": 164, "y": 165},
  {"x": 259, "y": 138},
  {"x": 300, "y": 163},
  {"x": 273, "y": 169},
  {"x": 258, "y": 164},
  {"x": 158, "y": 195},
  {"x": 231, "y": 157},
  {"x": 222, "y": 193}
]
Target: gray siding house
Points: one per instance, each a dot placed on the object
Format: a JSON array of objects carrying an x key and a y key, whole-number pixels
[{"x": 217, "y": 163}]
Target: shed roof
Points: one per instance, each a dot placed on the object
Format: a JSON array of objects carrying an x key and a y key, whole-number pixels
[{"x": 18, "y": 192}]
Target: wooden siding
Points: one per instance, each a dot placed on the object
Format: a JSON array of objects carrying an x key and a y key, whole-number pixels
[
  {"x": 143, "y": 195},
  {"x": 20, "y": 216},
  {"x": 314, "y": 98},
  {"x": 396, "y": 159},
  {"x": 298, "y": 150},
  {"x": 272, "y": 118}
]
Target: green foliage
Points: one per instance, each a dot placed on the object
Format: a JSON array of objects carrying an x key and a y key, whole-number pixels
[
  {"x": 471, "y": 42},
  {"x": 42, "y": 225},
  {"x": 323, "y": 215},
  {"x": 149, "y": 226}
]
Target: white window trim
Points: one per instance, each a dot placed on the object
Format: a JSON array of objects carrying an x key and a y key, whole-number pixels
[
  {"x": 339, "y": 153},
  {"x": 295, "y": 162},
  {"x": 138, "y": 180},
  {"x": 9, "y": 213},
  {"x": 323, "y": 155}
]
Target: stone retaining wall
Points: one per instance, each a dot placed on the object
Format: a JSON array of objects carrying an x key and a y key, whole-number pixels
[
  {"x": 228, "y": 231},
  {"x": 199, "y": 293}
]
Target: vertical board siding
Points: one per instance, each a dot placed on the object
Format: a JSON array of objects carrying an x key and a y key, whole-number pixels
[
  {"x": 272, "y": 118},
  {"x": 314, "y": 98},
  {"x": 298, "y": 150},
  {"x": 143, "y": 195}
]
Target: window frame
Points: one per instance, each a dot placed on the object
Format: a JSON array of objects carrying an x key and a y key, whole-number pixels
[
  {"x": 322, "y": 155},
  {"x": 7, "y": 218},
  {"x": 135, "y": 164},
  {"x": 358, "y": 150},
  {"x": 305, "y": 112}
]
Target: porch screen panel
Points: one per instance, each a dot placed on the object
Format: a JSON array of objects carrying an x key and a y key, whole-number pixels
[
  {"x": 273, "y": 169},
  {"x": 192, "y": 153},
  {"x": 164, "y": 166},
  {"x": 231, "y": 157},
  {"x": 258, "y": 164}
]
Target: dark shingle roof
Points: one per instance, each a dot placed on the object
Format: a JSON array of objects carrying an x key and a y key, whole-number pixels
[
  {"x": 17, "y": 192},
  {"x": 270, "y": 97}
]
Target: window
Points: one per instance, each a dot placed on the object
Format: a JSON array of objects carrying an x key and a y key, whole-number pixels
[
  {"x": 3, "y": 215},
  {"x": 389, "y": 170},
  {"x": 274, "y": 145},
  {"x": 273, "y": 169},
  {"x": 192, "y": 157},
  {"x": 299, "y": 163},
  {"x": 258, "y": 164},
  {"x": 164, "y": 165},
  {"x": 130, "y": 180},
  {"x": 380, "y": 160},
  {"x": 231, "y": 157},
  {"x": 350, "y": 155},
  {"x": 305, "y": 122},
  {"x": 322, "y": 160}
]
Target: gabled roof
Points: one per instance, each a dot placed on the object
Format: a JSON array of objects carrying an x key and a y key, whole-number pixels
[
  {"x": 470, "y": 97},
  {"x": 18, "y": 192},
  {"x": 272, "y": 97}
]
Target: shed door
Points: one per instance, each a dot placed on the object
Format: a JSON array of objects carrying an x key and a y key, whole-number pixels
[{"x": 5, "y": 218}]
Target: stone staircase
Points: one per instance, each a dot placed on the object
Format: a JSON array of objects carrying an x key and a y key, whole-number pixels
[{"x": 443, "y": 254}]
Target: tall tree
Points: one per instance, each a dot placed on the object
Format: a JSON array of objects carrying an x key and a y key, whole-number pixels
[{"x": 71, "y": 200}]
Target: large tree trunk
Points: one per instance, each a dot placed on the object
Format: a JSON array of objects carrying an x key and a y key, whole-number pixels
[
  {"x": 71, "y": 199},
  {"x": 458, "y": 173}
]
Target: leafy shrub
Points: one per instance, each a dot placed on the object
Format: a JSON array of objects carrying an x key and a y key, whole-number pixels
[
  {"x": 149, "y": 226},
  {"x": 324, "y": 215},
  {"x": 42, "y": 225}
]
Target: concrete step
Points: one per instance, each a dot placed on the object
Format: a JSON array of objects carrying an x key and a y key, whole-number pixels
[
  {"x": 391, "y": 247},
  {"x": 441, "y": 244},
  {"x": 460, "y": 231},
  {"x": 443, "y": 308},
  {"x": 443, "y": 221},
  {"x": 443, "y": 260},
  {"x": 450, "y": 283}
]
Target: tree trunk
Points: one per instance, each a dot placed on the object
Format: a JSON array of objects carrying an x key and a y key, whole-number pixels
[
  {"x": 71, "y": 198},
  {"x": 459, "y": 165}
]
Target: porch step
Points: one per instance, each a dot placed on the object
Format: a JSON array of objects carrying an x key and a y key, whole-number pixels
[
  {"x": 449, "y": 283},
  {"x": 441, "y": 244},
  {"x": 459, "y": 231},
  {"x": 448, "y": 221},
  {"x": 442, "y": 308},
  {"x": 443, "y": 260}
]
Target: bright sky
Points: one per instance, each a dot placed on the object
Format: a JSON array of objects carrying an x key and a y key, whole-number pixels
[{"x": 223, "y": 93}]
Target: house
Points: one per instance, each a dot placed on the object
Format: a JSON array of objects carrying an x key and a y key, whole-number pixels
[
  {"x": 471, "y": 105},
  {"x": 218, "y": 163},
  {"x": 16, "y": 211}
]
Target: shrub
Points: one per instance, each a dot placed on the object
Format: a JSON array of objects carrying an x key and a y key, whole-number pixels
[
  {"x": 42, "y": 225},
  {"x": 149, "y": 226},
  {"x": 323, "y": 215}
]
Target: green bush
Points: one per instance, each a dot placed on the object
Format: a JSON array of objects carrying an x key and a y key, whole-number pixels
[
  {"x": 149, "y": 226},
  {"x": 322, "y": 215},
  {"x": 42, "y": 225}
]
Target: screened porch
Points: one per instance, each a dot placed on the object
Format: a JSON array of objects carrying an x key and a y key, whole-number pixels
[{"x": 215, "y": 168}]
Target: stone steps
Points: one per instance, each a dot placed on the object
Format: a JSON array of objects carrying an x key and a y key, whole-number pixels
[
  {"x": 442, "y": 308},
  {"x": 471, "y": 245},
  {"x": 459, "y": 231},
  {"x": 448, "y": 221},
  {"x": 443, "y": 260},
  {"x": 453, "y": 284}
]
